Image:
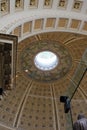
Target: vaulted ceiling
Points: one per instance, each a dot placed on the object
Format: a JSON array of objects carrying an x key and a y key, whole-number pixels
[{"x": 56, "y": 25}]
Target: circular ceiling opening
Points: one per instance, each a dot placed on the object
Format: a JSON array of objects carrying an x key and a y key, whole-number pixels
[{"x": 46, "y": 60}]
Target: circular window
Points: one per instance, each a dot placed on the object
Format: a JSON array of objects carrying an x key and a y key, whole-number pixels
[{"x": 46, "y": 60}]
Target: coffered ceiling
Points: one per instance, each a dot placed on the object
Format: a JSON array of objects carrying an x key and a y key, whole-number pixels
[{"x": 56, "y": 25}]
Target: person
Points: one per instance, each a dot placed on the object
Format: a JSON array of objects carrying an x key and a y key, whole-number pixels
[
  {"x": 81, "y": 123},
  {"x": 1, "y": 93}
]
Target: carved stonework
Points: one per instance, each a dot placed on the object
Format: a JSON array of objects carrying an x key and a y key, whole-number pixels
[
  {"x": 18, "y": 3},
  {"x": 32, "y": 2},
  {"x": 77, "y": 5},
  {"x": 62, "y": 3},
  {"x": 4, "y": 6},
  {"x": 47, "y": 2}
]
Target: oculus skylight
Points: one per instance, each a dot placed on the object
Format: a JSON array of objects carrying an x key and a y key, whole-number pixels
[{"x": 46, "y": 60}]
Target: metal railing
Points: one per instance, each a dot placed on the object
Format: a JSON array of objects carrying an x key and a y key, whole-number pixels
[{"x": 72, "y": 88}]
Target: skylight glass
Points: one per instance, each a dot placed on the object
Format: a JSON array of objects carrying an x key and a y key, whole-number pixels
[{"x": 46, "y": 60}]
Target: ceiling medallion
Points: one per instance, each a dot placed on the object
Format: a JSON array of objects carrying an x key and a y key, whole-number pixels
[{"x": 45, "y": 61}]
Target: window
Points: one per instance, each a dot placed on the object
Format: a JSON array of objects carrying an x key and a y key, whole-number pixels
[{"x": 46, "y": 60}]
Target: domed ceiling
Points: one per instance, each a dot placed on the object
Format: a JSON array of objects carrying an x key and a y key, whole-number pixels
[
  {"x": 41, "y": 108},
  {"x": 34, "y": 103},
  {"x": 44, "y": 25}
]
